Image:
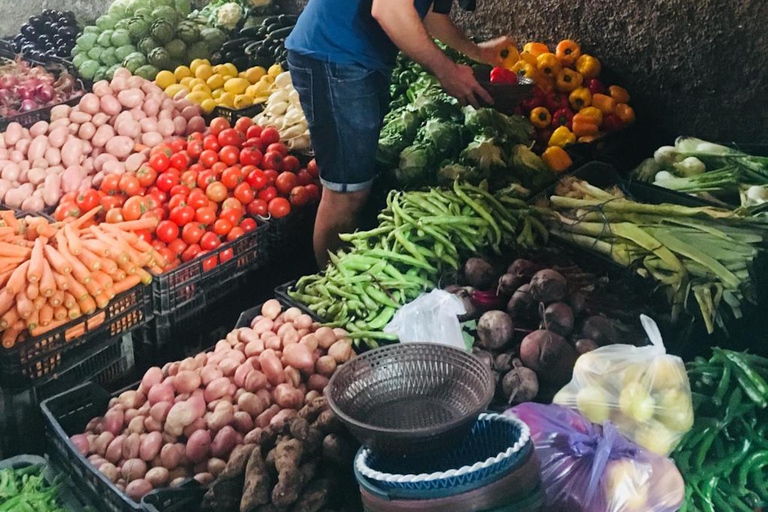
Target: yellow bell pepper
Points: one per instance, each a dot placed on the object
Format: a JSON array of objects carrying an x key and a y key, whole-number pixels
[
  {"x": 509, "y": 56},
  {"x": 568, "y": 52},
  {"x": 593, "y": 113},
  {"x": 568, "y": 80},
  {"x": 548, "y": 64},
  {"x": 625, "y": 113},
  {"x": 535, "y": 49},
  {"x": 561, "y": 137},
  {"x": 583, "y": 125},
  {"x": 588, "y": 66},
  {"x": 529, "y": 58},
  {"x": 620, "y": 94},
  {"x": 523, "y": 69},
  {"x": 557, "y": 159},
  {"x": 540, "y": 117},
  {"x": 580, "y": 98},
  {"x": 604, "y": 103}
]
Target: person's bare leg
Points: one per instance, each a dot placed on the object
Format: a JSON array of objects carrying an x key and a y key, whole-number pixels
[{"x": 337, "y": 213}]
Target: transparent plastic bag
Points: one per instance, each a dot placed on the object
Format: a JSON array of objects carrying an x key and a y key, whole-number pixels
[
  {"x": 430, "y": 318},
  {"x": 643, "y": 390},
  {"x": 593, "y": 468}
]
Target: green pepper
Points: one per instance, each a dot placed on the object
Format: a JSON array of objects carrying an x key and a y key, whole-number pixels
[
  {"x": 754, "y": 385},
  {"x": 755, "y": 461}
]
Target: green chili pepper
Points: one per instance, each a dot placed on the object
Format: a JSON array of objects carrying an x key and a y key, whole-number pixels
[
  {"x": 722, "y": 387},
  {"x": 754, "y": 385},
  {"x": 703, "y": 449},
  {"x": 755, "y": 461}
]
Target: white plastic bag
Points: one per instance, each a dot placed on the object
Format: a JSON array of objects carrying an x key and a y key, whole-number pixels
[
  {"x": 643, "y": 390},
  {"x": 430, "y": 318}
]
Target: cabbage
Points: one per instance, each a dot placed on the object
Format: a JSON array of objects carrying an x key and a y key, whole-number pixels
[
  {"x": 159, "y": 58},
  {"x": 162, "y": 30},
  {"x": 105, "y": 39},
  {"x": 100, "y": 74},
  {"x": 138, "y": 28},
  {"x": 88, "y": 69},
  {"x": 198, "y": 50},
  {"x": 176, "y": 49},
  {"x": 122, "y": 24},
  {"x": 213, "y": 38},
  {"x": 91, "y": 29},
  {"x": 134, "y": 61},
  {"x": 86, "y": 41},
  {"x": 120, "y": 38},
  {"x": 95, "y": 52},
  {"x": 118, "y": 9},
  {"x": 416, "y": 164},
  {"x": 148, "y": 44},
  {"x": 147, "y": 72},
  {"x": 124, "y": 51},
  {"x": 108, "y": 57},
  {"x": 79, "y": 59},
  {"x": 106, "y": 22}
]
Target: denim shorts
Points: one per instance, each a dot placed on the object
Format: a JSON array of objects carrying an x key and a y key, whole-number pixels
[{"x": 344, "y": 105}]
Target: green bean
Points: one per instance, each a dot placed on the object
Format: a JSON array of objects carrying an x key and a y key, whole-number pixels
[
  {"x": 376, "y": 335},
  {"x": 402, "y": 258},
  {"x": 380, "y": 297}
]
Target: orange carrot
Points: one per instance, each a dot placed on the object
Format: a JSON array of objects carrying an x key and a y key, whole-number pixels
[
  {"x": 10, "y": 335},
  {"x": 80, "y": 222},
  {"x": 89, "y": 259},
  {"x": 18, "y": 279},
  {"x": 33, "y": 321},
  {"x": 61, "y": 281},
  {"x": 9, "y": 219},
  {"x": 102, "y": 300},
  {"x": 69, "y": 300},
  {"x": 97, "y": 247},
  {"x": 39, "y": 301},
  {"x": 109, "y": 293},
  {"x": 126, "y": 284},
  {"x": 103, "y": 279},
  {"x": 46, "y": 314},
  {"x": 145, "y": 276},
  {"x": 87, "y": 305},
  {"x": 75, "y": 331},
  {"x": 42, "y": 329},
  {"x": 47, "y": 283},
  {"x": 128, "y": 266},
  {"x": 74, "y": 312},
  {"x": 8, "y": 318},
  {"x": 57, "y": 298},
  {"x": 108, "y": 265},
  {"x": 73, "y": 241},
  {"x": 76, "y": 288},
  {"x": 6, "y": 301},
  {"x": 79, "y": 270},
  {"x": 59, "y": 312},
  {"x": 119, "y": 252},
  {"x": 35, "y": 270},
  {"x": 93, "y": 287},
  {"x": 24, "y": 306},
  {"x": 135, "y": 225},
  {"x": 118, "y": 275},
  {"x": 57, "y": 261},
  {"x": 136, "y": 257},
  {"x": 14, "y": 250},
  {"x": 33, "y": 291},
  {"x": 96, "y": 320}
]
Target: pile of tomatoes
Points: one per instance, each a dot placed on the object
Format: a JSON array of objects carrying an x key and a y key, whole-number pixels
[{"x": 204, "y": 189}]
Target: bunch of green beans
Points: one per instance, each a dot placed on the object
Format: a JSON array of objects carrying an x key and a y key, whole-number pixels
[
  {"x": 724, "y": 457},
  {"x": 421, "y": 235}
]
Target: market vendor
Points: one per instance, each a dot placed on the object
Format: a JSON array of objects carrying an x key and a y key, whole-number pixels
[{"x": 340, "y": 56}]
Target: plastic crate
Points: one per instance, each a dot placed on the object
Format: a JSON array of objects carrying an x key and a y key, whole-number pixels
[
  {"x": 187, "y": 499},
  {"x": 289, "y": 232},
  {"x": 232, "y": 115},
  {"x": 281, "y": 293},
  {"x": 32, "y": 359},
  {"x": 66, "y": 498}
]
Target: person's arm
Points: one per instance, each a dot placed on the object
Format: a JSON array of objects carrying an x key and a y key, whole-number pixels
[
  {"x": 441, "y": 27},
  {"x": 402, "y": 24}
]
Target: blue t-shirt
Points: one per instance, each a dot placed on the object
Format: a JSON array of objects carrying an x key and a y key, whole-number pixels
[{"x": 344, "y": 32}]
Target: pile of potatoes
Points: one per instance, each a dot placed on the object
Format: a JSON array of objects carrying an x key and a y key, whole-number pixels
[{"x": 185, "y": 419}]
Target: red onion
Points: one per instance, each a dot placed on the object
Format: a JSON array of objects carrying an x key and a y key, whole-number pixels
[
  {"x": 44, "y": 93},
  {"x": 28, "y": 105},
  {"x": 7, "y": 81}
]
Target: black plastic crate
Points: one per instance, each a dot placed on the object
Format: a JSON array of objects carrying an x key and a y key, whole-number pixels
[
  {"x": 233, "y": 114},
  {"x": 281, "y": 293},
  {"x": 290, "y": 232},
  {"x": 187, "y": 499},
  {"x": 32, "y": 359}
]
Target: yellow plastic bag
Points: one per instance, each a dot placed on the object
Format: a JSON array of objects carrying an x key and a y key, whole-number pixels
[{"x": 642, "y": 390}]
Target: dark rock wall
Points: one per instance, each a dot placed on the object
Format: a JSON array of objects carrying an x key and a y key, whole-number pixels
[{"x": 697, "y": 67}]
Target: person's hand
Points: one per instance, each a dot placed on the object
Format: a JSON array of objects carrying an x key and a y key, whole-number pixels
[
  {"x": 489, "y": 52},
  {"x": 459, "y": 81}
]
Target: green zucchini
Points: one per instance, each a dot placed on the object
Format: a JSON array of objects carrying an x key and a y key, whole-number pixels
[{"x": 281, "y": 33}]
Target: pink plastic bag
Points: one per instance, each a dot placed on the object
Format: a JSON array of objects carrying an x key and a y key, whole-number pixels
[{"x": 593, "y": 468}]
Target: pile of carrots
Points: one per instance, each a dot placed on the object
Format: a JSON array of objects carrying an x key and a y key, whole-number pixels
[{"x": 52, "y": 273}]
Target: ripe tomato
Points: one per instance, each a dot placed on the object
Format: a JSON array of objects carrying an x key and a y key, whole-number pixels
[
  {"x": 195, "y": 136},
  {"x": 314, "y": 192},
  {"x": 177, "y": 246},
  {"x": 273, "y": 160},
  {"x": 197, "y": 167},
  {"x": 250, "y": 156},
  {"x": 243, "y": 124},
  {"x": 231, "y": 177},
  {"x": 134, "y": 208},
  {"x": 152, "y": 202},
  {"x": 216, "y": 192},
  {"x": 231, "y": 215},
  {"x": 256, "y": 179},
  {"x": 110, "y": 184},
  {"x": 205, "y": 178},
  {"x": 191, "y": 233},
  {"x": 189, "y": 179},
  {"x": 182, "y": 215},
  {"x": 166, "y": 181},
  {"x": 285, "y": 182},
  {"x": 191, "y": 252},
  {"x": 209, "y": 262},
  {"x": 144, "y": 235},
  {"x": 146, "y": 175},
  {"x": 177, "y": 200},
  {"x": 244, "y": 193},
  {"x": 254, "y": 132},
  {"x": 230, "y": 137},
  {"x": 210, "y": 241},
  {"x": 211, "y": 142},
  {"x": 167, "y": 231},
  {"x": 218, "y": 125},
  {"x": 179, "y": 190},
  {"x": 291, "y": 163},
  {"x": 299, "y": 196},
  {"x": 257, "y": 207},
  {"x": 180, "y": 161},
  {"x": 178, "y": 145},
  {"x": 208, "y": 158},
  {"x": 312, "y": 168},
  {"x": 303, "y": 177},
  {"x": 160, "y": 195},
  {"x": 65, "y": 210},
  {"x": 232, "y": 203},
  {"x": 267, "y": 194},
  {"x": 87, "y": 200},
  {"x": 205, "y": 216},
  {"x": 159, "y": 162},
  {"x": 129, "y": 184},
  {"x": 279, "y": 207},
  {"x": 248, "y": 225},
  {"x": 218, "y": 168},
  {"x": 236, "y": 232},
  {"x": 163, "y": 148},
  {"x": 157, "y": 213},
  {"x": 197, "y": 199},
  {"x": 109, "y": 202},
  {"x": 222, "y": 226},
  {"x": 227, "y": 254},
  {"x": 270, "y": 135},
  {"x": 278, "y": 147},
  {"x": 168, "y": 256},
  {"x": 158, "y": 245},
  {"x": 114, "y": 215},
  {"x": 229, "y": 154},
  {"x": 194, "y": 148},
  {"x": 271, "y": 176}
]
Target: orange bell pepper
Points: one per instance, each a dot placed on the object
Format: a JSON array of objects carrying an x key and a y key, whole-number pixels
[
  {"x": 604, "y": 103},
  {"x": 620, "y": 94},
  {"x": 625, "y": 113},
  {"x": 584, "y": 125},
  {"x": 529, "y": 58},
  {"x": 568, "y": 52},
  {"x": 548, "y": 64},
  {"x": 588, "y": 66},
  {"x": 580, "y": 98},
  {"x": 594, "y": 113},
  {"x": 535, "y": 49},
  {"x": 557, "y": 159},
  {"x": 568, "y": 80}
]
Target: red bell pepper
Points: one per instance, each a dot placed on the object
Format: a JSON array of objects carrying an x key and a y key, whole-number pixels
[
  {"x": 555, "y": 101},
  {"x": 503, "y": 76},
  {"x": 595, "y": 86},
  {"x": 530, "y": 104},
  {"x": 562, "y": 117},
  {"x": 612, "y": 123}
]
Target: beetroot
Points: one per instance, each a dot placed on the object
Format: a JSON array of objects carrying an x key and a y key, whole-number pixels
[
  {"x": 601, "y": 330},
  {"x": 549, "y": 355},
  {"x": 520, "y": 384},
  {"x": 522, "y": 307},
  {"x": 495, "y": 330},
  {"x": 508, "y": 283},
  {"x": 480, "y": 274},
  {"x": 549, "y": 286},
  {"x": 585, "y": 345},
  {"x": 558, "y": 318},
  {"x": 465, "y": 294},
  {"x": 484, "y": 356},
  {"x": 523, "y": 268}
]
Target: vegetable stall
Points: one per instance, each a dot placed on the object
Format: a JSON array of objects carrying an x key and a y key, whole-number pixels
[{"x": 520, "y": 325}]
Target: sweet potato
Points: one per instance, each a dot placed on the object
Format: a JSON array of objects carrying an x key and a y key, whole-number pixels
[{"x": 257, "y": 483}]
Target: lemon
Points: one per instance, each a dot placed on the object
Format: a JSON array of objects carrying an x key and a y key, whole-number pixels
[
  {"x": 197, "y": 97},
  {"x": 175, "y": 89},
  {"x": 197, "y": 63},
  {"x": 194, "y": 82},
  {"x": 227, "y": 99},
  {"x": 165, "y": 79},
  {"x": 261, "y": 88},
  {"x": 208, "y": 105},
  {"x": 215, "y": 82},
  {"x": 204, "y": 71},
  {"x": 274, "y": 70},
  {"x": 182, "y": 72},
  {"x": 186, "y": 81},
  {"x": 236, "y": 85},
  {"x": 228, "y": 69},
  {"x": 254, "y": 74},
  {"x": 243, "y": 101},
  {"x": 202, "y": 88},
  {"x": 216, "y": 94}
]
